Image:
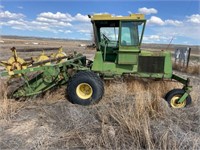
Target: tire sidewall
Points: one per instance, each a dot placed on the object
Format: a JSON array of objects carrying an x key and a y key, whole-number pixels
[
  {"x": 79, "y": 78},
  {"x": 174, "y": 92}
]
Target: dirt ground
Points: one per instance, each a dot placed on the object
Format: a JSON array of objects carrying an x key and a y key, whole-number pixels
[{"x": 133, "y": 117}]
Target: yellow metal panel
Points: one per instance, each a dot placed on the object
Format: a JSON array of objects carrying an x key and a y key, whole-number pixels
[{"x": 110, "y": 17}]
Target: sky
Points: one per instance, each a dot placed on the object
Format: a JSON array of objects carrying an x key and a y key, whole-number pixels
[{"x": 173, "y": 20}]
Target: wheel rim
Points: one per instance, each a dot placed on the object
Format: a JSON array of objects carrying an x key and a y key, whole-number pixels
[
  {"x": 84, "y": 91},
  {"x": 174, "y": 102}
]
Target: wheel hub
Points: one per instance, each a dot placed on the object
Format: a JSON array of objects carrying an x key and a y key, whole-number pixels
[
  {"x": 84, "y": 91},
  {"x": 175, "y": 104}
]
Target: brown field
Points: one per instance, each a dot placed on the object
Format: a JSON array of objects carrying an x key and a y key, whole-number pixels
[{"x": 131, "y": 115}]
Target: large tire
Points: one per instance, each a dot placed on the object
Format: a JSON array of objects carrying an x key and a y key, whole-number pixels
[
  {"x": 85, "y": 88},
  {"x": 174, "y": 95}
]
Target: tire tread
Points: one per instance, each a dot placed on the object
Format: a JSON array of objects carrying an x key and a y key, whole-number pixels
[
  {"x": 173, "y": 92},
  {"x": 86, "y": 75}
]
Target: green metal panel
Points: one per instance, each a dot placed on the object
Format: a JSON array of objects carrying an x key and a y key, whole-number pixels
[
  {"x": 150, "y": 75},
  {"x": 181, "y": 80},
  {"x": 129, "y": 49},
  {"x": 110, "y": 68},
  {"x": 98, "y": 62},
  {"x": 127, "y": 58},
  {"x": 168, "y": 64}
]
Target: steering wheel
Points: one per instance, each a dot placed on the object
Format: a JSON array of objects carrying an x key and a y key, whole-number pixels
[{"x": 105, "y": 38}]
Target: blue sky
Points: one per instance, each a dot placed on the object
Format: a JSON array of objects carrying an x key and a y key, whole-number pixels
[{"x": 179, "y": 19}]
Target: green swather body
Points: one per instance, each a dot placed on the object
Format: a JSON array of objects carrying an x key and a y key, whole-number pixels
[{"x": 118, "y": 40}]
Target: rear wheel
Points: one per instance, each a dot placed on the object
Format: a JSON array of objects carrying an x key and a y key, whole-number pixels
[
  {"x": 173, "y": 96},
  {"x": 85, "y": 88}
]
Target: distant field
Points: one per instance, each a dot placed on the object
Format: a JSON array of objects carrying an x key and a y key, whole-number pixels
[
  {"x": 26, "y": 43},
  {"x": 195, "y": 49}
]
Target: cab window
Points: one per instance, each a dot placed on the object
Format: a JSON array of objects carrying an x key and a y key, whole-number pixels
[{"x": 130, "y": 33}]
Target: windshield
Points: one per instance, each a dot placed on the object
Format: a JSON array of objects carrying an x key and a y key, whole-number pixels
[
  {"x": 110, "y": 32},
  {"x": 131, "y": 33}
]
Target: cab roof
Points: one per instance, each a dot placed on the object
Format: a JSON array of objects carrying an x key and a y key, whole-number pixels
[{"x": 110, "y": 17}]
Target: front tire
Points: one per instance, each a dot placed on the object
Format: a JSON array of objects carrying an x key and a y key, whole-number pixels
[
  {"x": 85, "y": 88},
  {"x": 174, "y": 95}
]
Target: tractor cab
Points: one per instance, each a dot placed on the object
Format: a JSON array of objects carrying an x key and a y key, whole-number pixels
[{"x": 118, "y": 39}]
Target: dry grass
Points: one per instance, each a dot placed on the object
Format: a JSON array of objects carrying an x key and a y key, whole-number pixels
[
  {"x": 193, "y": 69},
  {"x": 137, "y": 117},
  {"x": 131, "y": 115},
  {"x": 8, "y": 107}
]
